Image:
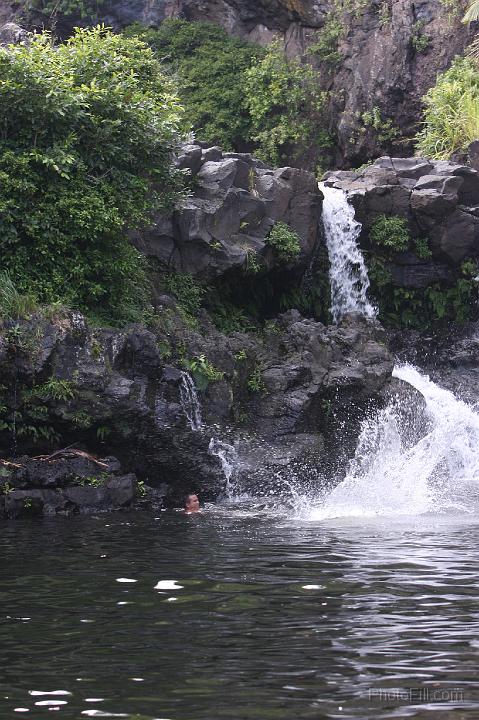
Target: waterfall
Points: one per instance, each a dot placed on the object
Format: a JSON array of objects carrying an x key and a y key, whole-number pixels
[
  {"x": 348, "y": 274},
  {"x": 189, "y": 402},
  {"x": 412, "y": 459},
  {"x": 228, "y": 457}
]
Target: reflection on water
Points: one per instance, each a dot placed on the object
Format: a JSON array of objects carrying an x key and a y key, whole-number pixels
[{"x": 239, "y": 614}]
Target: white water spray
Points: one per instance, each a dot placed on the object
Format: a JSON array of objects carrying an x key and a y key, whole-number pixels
[
  {"x": 395, "y": 473},
  {"x": 190, "y": 403},
  {"x": 348, "y": 274},
  {"x": 228, "y": 457}
]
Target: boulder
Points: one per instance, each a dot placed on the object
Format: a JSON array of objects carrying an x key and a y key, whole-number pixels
[
  {"x": 439, "y": 200},
  {"x": 12, "y": 34},
  {"x": 315, "y": 372},
  {"x": 235, "y": 202}
]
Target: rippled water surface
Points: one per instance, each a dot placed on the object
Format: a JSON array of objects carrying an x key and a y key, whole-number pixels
[{"x": 253, "y": 616}]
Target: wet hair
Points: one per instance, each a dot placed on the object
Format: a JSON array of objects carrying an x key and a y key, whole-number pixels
[{"x": 187, "y": 496}]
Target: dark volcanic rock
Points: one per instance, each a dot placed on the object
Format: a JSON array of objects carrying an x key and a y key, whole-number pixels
[
  {"x": 439, "y": 200},
  {"x": 313, "y": 372},
  {"x": 235, "y": 203},
  {"x": 68, "y": 483},
  {"x": 12, "y": 34},
  {"x": 307, "y": 379}
]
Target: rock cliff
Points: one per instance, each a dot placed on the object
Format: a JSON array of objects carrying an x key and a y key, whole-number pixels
[
  {"x": 380, "y": 58},
  {"x": 159, "y": 396}
]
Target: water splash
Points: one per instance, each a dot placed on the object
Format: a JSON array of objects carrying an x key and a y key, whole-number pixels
[
  {"x": 347, "y": 273},
  {"x": 228, "y": 457},
  {"x": 190, "y": 403},
  {"x": 412, "y": 458}
]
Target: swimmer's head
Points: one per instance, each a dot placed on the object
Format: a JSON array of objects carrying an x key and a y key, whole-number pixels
[{"x": 192, "y": 504}]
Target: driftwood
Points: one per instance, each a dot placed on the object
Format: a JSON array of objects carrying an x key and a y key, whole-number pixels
[
  {"x": 6, "y": 463},
  {"x": 66, "y": 454}
]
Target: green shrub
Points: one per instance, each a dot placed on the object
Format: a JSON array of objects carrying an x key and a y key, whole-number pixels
[
  {"x": 186, "y": 290},
  {"x": 421, "y": 308},
  {"x": 209, "y": 68},
  {"x": 422, "y": 249},
  {"x": 451, "y": 119},
  {"x": 54, "y": 389},
  {"x": 14, "y": 305},
  {"x": 255, "y": 382},
  {"x": 326, "y": 46},
  {"x": 285, "y": 103},
  {"x": 53, "y": 8},
  {"x": 384, "y": 127},
  {"x": 203, "y": 371},
  {"x": 390, "y": 232},
  {"x": 87, "y": 133},
  {"x": 284, "y": 241},
  {"x": 420, "y": 41},
  {"x": 237, "y": 94}
]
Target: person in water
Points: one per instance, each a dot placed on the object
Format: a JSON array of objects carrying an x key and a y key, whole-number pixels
[{"x": 192, "y": 504}]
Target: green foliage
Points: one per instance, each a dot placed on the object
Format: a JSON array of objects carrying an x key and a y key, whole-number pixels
[
  {"x": 421, "y": 308},
  {"x": 326, "y": 46},
  {"x": 335, "y": 27},
  {"x": 13, "y": 304},
  {"x": 227, "y": 317},
  {"x": 252, "y": 262},
  {"x": 422, "y": 249},
  {"x": 284, "y": 241},
  {"x": 54, "y": 389},
  {"x": 256, "y": 382},
  {"x": 102, "y": 432},
  {"x": 26, "y": 412},
  {"x": 52, "y": 8},
  {"x": 93, "y": 480},
  {"x": 419, "y": 40},
  {"x": 209, "y": 67},
  {"x": 384, "y": 13},
  {"x": 384, "y": 127},
  {"x": 390, "y": 232},
  {"x": 237, "y": 94},
  {"x": 186, "y": 290},
  {"x": 81, "y": 420},
  {"x": 202, "y": 371},
  {"x": 285, "y": 103},
  {"x": 451, "y": 119},
  {"x": 87, "y": 132}
]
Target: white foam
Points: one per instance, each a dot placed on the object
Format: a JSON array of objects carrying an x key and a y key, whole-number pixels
[
  {"x": 394, "y": 473},
  {"x": 347, "y": 273}
]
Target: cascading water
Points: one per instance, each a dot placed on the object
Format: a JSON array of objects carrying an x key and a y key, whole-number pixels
[
  {"x": 348, "y": 274},
  {"x": 190, "y": 403},
  {"x": 395, "y": 473},
  {"x": 228, "y": 457}
]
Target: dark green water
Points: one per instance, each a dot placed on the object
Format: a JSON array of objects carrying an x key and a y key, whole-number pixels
[{"x": 389, "y": 628}]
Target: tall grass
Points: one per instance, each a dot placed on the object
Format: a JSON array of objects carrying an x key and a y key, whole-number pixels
[
  {"x": 13, "y": 304},
  {"x": 451, "y": 120}
]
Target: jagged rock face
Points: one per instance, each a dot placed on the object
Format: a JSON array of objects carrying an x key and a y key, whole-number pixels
[
  {"x": 309, "y": 376},
  {"x": 439, "y": 200},
  {"x": 65, "y": 485},
  {"x": 234, "y": 205},
  {"x": 380, "y": 66}
]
